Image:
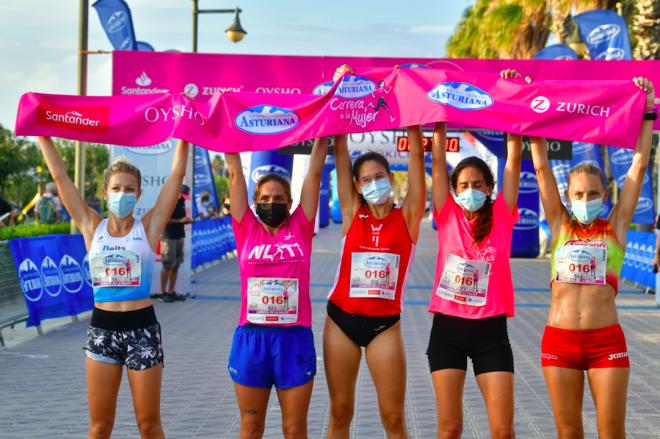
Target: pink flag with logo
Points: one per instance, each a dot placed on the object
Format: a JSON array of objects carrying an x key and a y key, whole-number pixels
[{"x": 605, "y": 112}]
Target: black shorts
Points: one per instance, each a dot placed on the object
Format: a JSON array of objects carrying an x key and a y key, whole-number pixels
[
  {"x": 129, "y": 338},
  {"x": 485, "y": 341},
  {"x": 361, "y": 329},
  {"x": 171, "y": 252}
]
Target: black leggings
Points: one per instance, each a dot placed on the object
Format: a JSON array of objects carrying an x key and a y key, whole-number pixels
[{"x": 485, "y": 341}]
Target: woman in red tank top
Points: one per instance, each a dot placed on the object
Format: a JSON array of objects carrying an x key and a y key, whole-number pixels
[{"x": 365, "y": 303}]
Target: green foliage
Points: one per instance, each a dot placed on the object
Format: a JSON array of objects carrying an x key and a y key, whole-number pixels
[
  {"x": 28, "y": 230},
  {"x": 221, "y": 186}
]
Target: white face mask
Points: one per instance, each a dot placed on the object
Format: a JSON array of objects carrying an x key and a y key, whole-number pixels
[{"x": 586, "y": 211}]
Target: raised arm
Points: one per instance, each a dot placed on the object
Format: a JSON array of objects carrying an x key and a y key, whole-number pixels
[
  {"x": 309, "y": 195},
  {"x": 439, "y": 174},
  {"x": 413, "y": 205},
  {"x": 622, "y": 213},
  {"x": 83, "y": 216},
  {"x": 555, "y": 212},
  {"x": 349, "y": 198},
  {"x": 511, "y": 178},
  {"x": 158, "y": 216},
  {"x": 238, "y": 196}
]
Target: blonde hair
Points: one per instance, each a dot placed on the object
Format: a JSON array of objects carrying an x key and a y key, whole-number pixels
[
  {"x": 588, "y": 168},
  {"x": 119, "y": 165}
]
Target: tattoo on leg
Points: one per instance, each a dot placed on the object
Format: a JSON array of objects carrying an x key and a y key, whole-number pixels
[{"x": 252, "y": 412}]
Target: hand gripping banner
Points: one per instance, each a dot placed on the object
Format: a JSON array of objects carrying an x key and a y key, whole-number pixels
[{"x": 605, "y": 111}]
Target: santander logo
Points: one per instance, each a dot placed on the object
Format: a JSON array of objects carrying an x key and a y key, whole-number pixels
[
  {"x": 90, "y": 119},
  {"x": 143, "y": 80}
]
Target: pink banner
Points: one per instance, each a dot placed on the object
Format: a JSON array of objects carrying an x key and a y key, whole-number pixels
[
  {"x": 201, "y": 75},
  {"x": 605, "y": 112}
]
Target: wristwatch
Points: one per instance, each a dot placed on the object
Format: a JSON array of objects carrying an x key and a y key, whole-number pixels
[{"x": 651, "y": 113}]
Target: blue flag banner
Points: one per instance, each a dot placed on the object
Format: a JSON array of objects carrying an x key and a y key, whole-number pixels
[
  {"x": 620, "y": 161},
  {"x": 556, "y": 51},
  {"x": 640, "y": 249},
  {"x": 117, "y": 23},
  {"x": 605, "y": 33},
  {"x": 525, "y": 241},
  {"x": 211, "y": 240},
  {"x": 203, "y": 184},
  {"x": 53, "y": 272},
  {"x": 144, "y": 46},
  {"x": 268, "y": 162},
  {"x": 324, "y": 196}
]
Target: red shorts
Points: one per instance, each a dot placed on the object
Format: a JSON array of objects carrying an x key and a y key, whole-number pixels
[{"x": 584, "y": 349}]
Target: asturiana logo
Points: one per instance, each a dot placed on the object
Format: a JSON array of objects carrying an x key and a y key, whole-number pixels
[
  {"x": 143, "y": 80},
  {"x": 602, "y": 33},
  {"x": 621, "y": 157},
  {"x": 353, "y": 87},
  {"x": 579, "y": 256},
  {"x": 528, "y": 183},
  {"x": 375, "y": 262},
  {"x": 273, "y": 287},
  {"x": 72, "y": 274},
  {"x": 528, "y": 219},
  {"x": 116, "y": 22},
  {"x": 30, "y": 278},
  {"x": 260, "y": 171},
  {"x": 51, "y": 277},
  {"x": 611, "y": 53},
  {"x": 266, "y": 119},
  {"x": 622, "y": 179},
  {"x": 414, "y": 65},
  {"x": 460, "y": 95},
  {"x": 161, "y": 148},
  {"x": 323, "y": 88},
  {"x": 644, "y": 204}
]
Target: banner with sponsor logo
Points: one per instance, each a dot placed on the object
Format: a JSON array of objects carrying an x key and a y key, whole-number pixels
[
  {"x": 589, "y": 153},
  {"x": 203, "y": 183},
  {"x": 378, "y": 99},
  {"x": 620, "y": 161},
  {"x": 201, "y": 75},
  {"x": 605, "y": 33},
  {"x": 53, "y": 271},
  {"x": 117, "y": 22}
]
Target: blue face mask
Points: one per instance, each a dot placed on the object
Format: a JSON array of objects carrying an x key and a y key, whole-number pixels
[
  {"x": 586, "y": 211},
  {"x": 471, "y": 199},
  {"x": 377, "y": 191},
  {"x": 121, "y": 203}
]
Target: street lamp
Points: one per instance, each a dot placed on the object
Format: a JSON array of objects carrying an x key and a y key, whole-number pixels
[{"x": 235, "y": 32}]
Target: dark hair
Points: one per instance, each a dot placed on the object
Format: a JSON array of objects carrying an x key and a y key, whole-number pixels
[
  {"x": 485, "y": 214},
  {"x": 368, "y": 156},
  {"x": 588, "y": 168},
  {"x": 272, "y": 177}
]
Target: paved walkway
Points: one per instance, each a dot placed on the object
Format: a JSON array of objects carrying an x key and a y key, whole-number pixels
[{"x": 42, "y": 379}]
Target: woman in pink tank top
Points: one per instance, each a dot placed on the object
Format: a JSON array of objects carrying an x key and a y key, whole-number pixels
[
  {"x": 473, "y": 291},
  {"x": 273, "y": 344}
]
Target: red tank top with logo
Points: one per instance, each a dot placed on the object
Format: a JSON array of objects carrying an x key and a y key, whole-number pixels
[{"x": 375, "y": 260}]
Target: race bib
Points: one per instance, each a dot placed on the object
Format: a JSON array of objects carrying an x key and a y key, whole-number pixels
[
  {"x": 374, "y": 275},
  {"x": 464, "y": 281},
  {"x": 584, "y": 263},
  {"x": 117, "y": 268},
  {"x": 272, "y": 300}
]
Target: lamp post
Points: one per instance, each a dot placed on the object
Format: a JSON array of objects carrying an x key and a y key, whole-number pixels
[
  {"x": 235, "y": 32},
  {"x": 79, "y": 177}
]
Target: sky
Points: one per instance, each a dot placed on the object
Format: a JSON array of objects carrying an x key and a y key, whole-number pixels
[{"x": 39, "y": 38}]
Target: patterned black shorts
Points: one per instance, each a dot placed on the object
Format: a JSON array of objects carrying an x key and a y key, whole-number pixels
[{"x": 138, "y": 348}]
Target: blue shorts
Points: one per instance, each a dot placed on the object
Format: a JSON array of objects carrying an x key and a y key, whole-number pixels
[{"x": 266, "y": 356}]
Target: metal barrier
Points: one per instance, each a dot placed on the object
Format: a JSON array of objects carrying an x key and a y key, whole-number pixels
[{"x": 12, "y": 303}]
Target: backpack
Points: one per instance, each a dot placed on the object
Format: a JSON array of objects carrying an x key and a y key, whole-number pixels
[{"x": 46, "y": 210}]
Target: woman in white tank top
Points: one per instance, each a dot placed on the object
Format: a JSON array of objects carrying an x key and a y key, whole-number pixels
[{"x": 123, "y": 329}]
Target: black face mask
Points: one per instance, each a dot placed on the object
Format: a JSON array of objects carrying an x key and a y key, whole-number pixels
[{"x": 272, "y": 214}]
